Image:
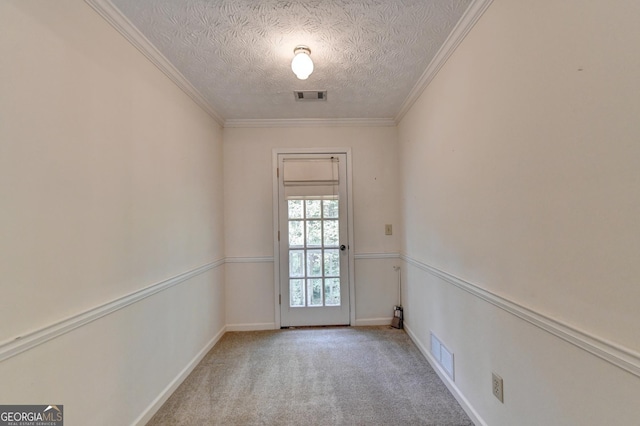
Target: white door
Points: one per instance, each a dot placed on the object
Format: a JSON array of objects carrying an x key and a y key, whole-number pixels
[{"x": 313, "y": 239}]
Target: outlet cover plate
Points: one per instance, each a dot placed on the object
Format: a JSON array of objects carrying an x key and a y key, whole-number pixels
[{"x": 497, "y": 387}]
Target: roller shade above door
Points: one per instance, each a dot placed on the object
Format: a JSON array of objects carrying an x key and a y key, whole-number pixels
[{"x": 310, "y": 176}]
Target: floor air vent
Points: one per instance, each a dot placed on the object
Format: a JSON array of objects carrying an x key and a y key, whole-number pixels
[{"x": 310, "y": 95}]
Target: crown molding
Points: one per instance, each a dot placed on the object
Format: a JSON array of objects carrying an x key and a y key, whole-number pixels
[
  {"x": 113, "y": 16},
  {"x": 311, "y": 122},
  {"x": 462, "y": 28}
]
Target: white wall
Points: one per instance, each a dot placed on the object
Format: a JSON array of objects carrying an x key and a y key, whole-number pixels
[
  {"x": 519, "y": 183},
  {"x": 249, "y": 217},
  {"x": 110, "y": 182},
  {"x": 519, "y": 172}
]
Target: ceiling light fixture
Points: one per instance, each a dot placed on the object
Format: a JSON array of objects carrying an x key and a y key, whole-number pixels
[{"x": 302, "y": 65}]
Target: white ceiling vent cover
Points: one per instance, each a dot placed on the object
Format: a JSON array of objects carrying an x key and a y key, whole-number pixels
[{"x": 310, "y": 95}]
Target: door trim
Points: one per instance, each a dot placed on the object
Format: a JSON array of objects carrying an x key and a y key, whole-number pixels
[{"x": 276, "y": 224}]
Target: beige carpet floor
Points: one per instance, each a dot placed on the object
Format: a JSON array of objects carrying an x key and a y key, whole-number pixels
[{"x": 313, "y": 376}]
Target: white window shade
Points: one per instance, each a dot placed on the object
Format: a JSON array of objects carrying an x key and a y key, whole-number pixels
[
  {"x": 310, "y": 177},
  {"x": 310, "y": 172}
]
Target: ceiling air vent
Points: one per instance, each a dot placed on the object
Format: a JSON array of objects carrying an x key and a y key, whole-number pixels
[{"x": 310, "y": 95}]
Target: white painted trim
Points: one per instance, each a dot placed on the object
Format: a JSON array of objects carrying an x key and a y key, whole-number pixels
[
  {"x": 247, "y": 259},
  {"x": 377, "y": 256},
  {"x": 149, "y": 412},
  {"x": 252, "y": 327},
  {"x": 613, "y": 353},
  {"x": 276, "y": 230},
  {"x": 276, "y": 224},
  {"x": 113, "y": 16},
  {"x": 462, "y": 28},
  {"x": 464, "y": 403},
  {"x": 350, "y": 227},
  {"x": 373, "y": 321},
  {"x": 311, "y": 122},
  {"x": 23, "y": 343}
]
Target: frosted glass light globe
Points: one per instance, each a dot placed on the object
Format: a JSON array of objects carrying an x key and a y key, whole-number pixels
[{"x": 302, "y": 65}]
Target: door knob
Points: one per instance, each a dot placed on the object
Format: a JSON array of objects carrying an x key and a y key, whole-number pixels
[{"x": 343, "y": 247}]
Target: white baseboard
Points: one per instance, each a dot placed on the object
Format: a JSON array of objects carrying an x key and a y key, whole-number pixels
[
  {"x": 618, "y": 355},
  {"x": 373, "y": 321},
  {"x": 149, "y": 412},
  {"x": 252, "y": 327},
  {"x": 464, "y": 403}
]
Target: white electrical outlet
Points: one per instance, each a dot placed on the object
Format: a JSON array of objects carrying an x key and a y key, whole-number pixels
[
  {"x": 388, "y": 229},
  {"x": 497, "y": 387}
]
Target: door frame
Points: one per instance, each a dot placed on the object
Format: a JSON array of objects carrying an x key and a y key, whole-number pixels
[{"x": 276, "y": 225}]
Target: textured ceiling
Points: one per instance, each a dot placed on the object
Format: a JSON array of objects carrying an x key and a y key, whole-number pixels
[{"x": 368, "y": 54}]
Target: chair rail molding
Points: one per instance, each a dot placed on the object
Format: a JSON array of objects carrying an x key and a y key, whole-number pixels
[
  {"x": 23, "y": 343},
  {"x": 359, "y": 256},
  {"x": 249, "y": 259},
  {"x": 620, "y": 356}
]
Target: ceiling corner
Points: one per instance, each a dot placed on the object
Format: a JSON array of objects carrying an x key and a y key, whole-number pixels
[
  {"x": 113, "y": 16},
  {"x": 462, "y": 28}
]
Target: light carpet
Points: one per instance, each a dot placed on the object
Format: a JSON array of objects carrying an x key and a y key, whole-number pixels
[{"x": 313, "y": 376}]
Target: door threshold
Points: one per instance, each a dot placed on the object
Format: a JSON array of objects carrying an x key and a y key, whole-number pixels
[{"x": 310, "y": 327}]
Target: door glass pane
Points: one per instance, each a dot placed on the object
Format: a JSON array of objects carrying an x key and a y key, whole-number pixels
[
  {"x": 313, "y": 208},
  {"x": 295, "y": 209},
  {"x": 314, "y": 233},
  {"x": 296, "y": 233},
  {"x": 314, "y": 292},
  {"x": 296, "y": 292},
  {"x": 332, "y": 292},
  {"x": 296, "y": 263},
  {"x": 331, "y": 263},
  {"x": 314, "y": 263},
  {"x": 330, "y": 209},
  {"x": 314, "y": 257},
  {"x": 330, "y": 233}
]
